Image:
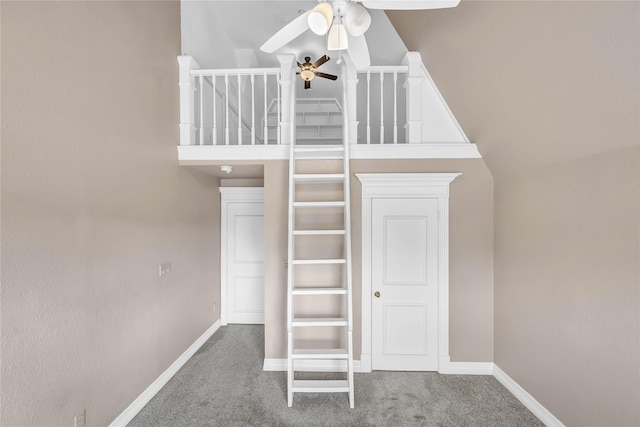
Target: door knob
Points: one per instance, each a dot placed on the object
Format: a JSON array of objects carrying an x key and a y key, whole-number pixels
[{"x": 377, "y": 294}]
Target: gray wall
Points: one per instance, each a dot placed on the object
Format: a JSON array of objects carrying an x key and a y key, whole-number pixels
[
  {"x": 471, "y": 253},
  {"x": 93, "y": 200},
  {"x": 550, "y": 92}
]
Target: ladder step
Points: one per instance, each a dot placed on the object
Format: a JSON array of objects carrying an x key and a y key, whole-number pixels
[
  {"x": 319, "y": 291},
  {"x": 319, "y": 321},
  {"x": 319, "y": 177},
  {"x": 332, "y": 204},
  {"x": 317, "y": 232},
  {"x": 319, "y": 261},
  {"x": 317, "y": 148},
  {"x": 320, "y": 386},
  {"x": 320, "y": 353}
]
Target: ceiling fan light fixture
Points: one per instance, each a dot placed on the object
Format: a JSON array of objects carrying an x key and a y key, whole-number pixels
[
  {"x": 307, "y": 75},
  {"x": 357, "y": 19},
  {"x": 337, "y": 39},
  {"x": 320, "y": 18}
]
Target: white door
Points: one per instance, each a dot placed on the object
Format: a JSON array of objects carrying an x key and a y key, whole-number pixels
[
  {"x": 244, "y": 262},
  {"x": 404, "y": 281}
]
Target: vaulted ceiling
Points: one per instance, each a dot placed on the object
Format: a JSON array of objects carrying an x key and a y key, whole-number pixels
[
  {"x": 530, "y": 82},
  {"x": 533, "y": 82}
]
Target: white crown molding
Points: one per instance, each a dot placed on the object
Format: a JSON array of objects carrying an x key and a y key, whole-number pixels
[
  {"x": 132, "y": 410},
  {"x": 214, "y": 154},
  {"x": 402, "y": 185},
  {"x": 244, "y": 194}
]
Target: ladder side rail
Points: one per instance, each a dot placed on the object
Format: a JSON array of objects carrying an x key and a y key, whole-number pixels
[
  {"x": 348, "y": 69},
  {"x": 291, "y": 238}
]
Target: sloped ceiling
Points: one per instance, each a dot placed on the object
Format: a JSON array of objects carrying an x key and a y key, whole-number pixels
[
  {"x": 228, "y": 34},
  {"x": 534, "y": 82}
]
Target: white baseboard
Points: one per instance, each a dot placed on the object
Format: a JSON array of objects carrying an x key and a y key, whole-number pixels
[
  {"x": 311, "y": 365},
  {"x": 526, "y": 399},
  {"x": 471, "y": 368},
  {"x": 132, "y": 410}
]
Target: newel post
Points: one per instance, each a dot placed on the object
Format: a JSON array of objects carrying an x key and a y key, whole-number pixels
[
  {"x": 187, "y": 93},
  {"x": 415, "y": 77},
  {"x": 287, "y": 98}
]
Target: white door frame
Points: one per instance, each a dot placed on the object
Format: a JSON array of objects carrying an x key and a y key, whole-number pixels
[
  {"x": 404, "y": 186},
  {"x": 234, "y": 195}
]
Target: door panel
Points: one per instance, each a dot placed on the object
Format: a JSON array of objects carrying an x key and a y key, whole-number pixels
[
  {"x": 245, "y": 262},
  {"x": 404, "y": 260}
]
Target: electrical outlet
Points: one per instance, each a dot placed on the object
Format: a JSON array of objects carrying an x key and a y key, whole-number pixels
[
  {"x": 80, "y": 420},
  {"x": 164, "y": 268}
]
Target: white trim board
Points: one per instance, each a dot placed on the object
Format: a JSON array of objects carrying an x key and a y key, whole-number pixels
[
  {"x": 132, "y": 410},
  {"x": 214, "y": 154},
  {"x": 526, "y": 399}
]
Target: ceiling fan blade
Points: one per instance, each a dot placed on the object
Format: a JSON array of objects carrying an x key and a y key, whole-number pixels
[
  {"x": 359, "y": 52},
  {"x": 307, "y": 84},
  {"x": 409, "y": 4},
  {"x": 320, "y": 61},
  {"x": 325, "y": 75},
  {"x": 287, "y": 33}
]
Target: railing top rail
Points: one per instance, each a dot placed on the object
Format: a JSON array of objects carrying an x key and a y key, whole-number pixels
[
  {"x": 235, "y": 71},
  {"x": 386, "y": 69}
]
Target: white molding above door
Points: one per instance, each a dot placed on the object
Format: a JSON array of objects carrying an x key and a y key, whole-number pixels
[
  {"x": 231, "y": 195},
  {"x": 403, "y": 186}
]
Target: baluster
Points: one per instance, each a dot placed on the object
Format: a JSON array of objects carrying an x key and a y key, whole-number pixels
[
  {"x": 214, "y": 134},
  {"x": 395, "y": 106},
  {"x": 381, "y": 107},
  {"x": 368, "y": 107},
  {"x": 253, "y": 110},
  {"x": 201, "y": 80},
  {"x": 265, "y": 131},
  {"x": 279, "y": 107},
  {"x": 226, "y": 115},
  {"x": 239, "y": 109}
]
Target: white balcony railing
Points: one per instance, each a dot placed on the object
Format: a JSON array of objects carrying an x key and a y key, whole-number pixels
[
  {"x": 381, "y": 107},
  {"x": 382, "y": 97},
  {"x": 228, "y": 107}
]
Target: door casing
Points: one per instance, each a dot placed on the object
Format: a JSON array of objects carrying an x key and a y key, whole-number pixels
[
  {"x": 407, "y": 186},
  {"x": 231, "y": 195}
]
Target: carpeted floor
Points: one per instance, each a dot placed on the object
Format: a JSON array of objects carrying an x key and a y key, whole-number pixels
[{"x": 223, "y": 385}]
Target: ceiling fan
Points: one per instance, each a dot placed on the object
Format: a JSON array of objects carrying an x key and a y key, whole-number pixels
[
  {"x": 345, "y": 22},
  {"x": 308, "y": 70}
]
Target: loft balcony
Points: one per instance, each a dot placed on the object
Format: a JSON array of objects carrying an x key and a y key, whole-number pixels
[{"x": 382, "y": 112}]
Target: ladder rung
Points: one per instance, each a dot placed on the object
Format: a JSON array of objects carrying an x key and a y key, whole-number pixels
[
  {"x": 320, "y": 386},
  {"x": 319, "y": 321},
  {"x": 319, "y": 261},
  {"x": 332, "y": 204},
  {"x": 319, "y": 177},
  {"x": 319, "y": 291},
  {"x": 317, "y": 148},
  {"x": 317, "y": 232},
  {"x": 320, "y": 353}
]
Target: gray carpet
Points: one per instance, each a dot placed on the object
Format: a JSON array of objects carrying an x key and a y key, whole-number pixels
[{"x": 223, "y": 385}]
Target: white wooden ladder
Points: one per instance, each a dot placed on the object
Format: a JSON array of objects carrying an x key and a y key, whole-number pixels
[{"x": 305, "y": 198}]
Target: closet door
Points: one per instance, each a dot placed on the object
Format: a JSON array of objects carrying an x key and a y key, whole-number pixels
[
  {"x": 404, "y": 282},
  {"x": 243, "y": 258}
]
